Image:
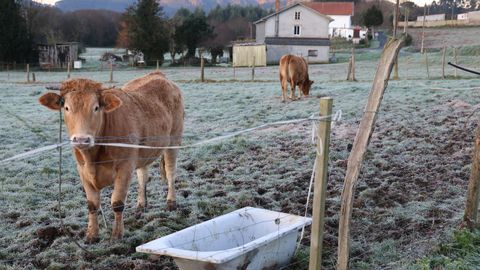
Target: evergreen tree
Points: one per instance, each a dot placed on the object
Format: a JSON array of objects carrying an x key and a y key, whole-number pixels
[
  {"x": 193, "y": 31},
  {"x": 373, "y": 17},
  {"x": 146, "y": 30},
  {"x": 15, "y": 44}
]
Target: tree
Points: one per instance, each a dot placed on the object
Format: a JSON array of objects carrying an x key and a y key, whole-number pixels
[
  {"x": 373, "y": 17},
  {"x": 146, "y": 29},
  {"x": 193, "y": 31},
  {"x": 15, "y": 43}
]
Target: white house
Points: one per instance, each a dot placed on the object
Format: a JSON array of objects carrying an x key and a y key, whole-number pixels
[
  {"x": 297, "y": 29},
  {"x": 340, "y": 12}
]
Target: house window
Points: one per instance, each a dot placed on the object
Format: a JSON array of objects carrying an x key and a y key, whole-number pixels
[
  {"x": 296, "y": 30},
  {"x": 313, "y": 53},
  {"x": 297, "y": 15}
]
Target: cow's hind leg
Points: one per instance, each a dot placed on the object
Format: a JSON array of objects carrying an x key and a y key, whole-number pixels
[
  {"x": 170, "y": 163},
  {"x": 283, "y": 82},
  {"x": 292, "y": 90},
  {"x": 142, "y": 175}
]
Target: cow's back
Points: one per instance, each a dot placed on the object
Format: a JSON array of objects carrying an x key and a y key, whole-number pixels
[
  {"x": 152, "y": 107},
  {"x": 294, "y": 68}
]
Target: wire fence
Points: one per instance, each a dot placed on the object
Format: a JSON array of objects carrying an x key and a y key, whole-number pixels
[{"x": 149, "y": 142}]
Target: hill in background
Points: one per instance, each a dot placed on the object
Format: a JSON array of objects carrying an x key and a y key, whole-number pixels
[{"x": 169, "y": 6}]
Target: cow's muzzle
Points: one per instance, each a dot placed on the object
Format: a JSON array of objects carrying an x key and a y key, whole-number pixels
[{"x": 82, "y": 141}]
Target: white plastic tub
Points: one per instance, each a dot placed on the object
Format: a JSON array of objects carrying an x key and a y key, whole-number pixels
[{"x": 248, "y": 238}]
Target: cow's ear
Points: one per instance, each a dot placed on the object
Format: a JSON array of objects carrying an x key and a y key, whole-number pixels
[
  {"x": 110, "y": 102},
  {"x": 52, "y": 101}
]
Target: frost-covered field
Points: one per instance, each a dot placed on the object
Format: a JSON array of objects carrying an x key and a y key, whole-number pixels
[{"x": 410, "y": 195}]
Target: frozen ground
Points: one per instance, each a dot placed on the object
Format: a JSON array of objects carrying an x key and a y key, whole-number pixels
[{"x": 410, "y": 195}]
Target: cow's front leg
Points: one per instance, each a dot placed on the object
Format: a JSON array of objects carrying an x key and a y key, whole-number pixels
[
  {"x": 119, "y": 196},
  {"x": 93, "y": 202},
  {"x": 142, "y": 175}
]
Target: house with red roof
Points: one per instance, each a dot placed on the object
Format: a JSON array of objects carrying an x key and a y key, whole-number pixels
[{"x": 304, "y": 29}]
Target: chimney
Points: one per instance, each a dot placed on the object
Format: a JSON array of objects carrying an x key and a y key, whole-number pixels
[{"x": 277, "y": 5}]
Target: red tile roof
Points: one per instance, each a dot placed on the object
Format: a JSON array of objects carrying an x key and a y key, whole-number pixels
[{"x": 332, "y": 8}]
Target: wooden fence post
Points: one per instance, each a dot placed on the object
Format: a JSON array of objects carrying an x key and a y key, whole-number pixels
[
  {"x": 158, "y": 65},
  {"x": 33, "y": 77},
  {"x": 28, "y": 73},
  {"x": 202, "y": 69},
  {"x": 471, "y": 207},
  {"x": 320, "y": 184},
  {"x": 253, "y": 69},
  {"x": 359, "y": 149},
  {"x": 455, "y": 59},
  {"x": 426, "y": 63},
  {"x": 111, "y": 72},
  {"x": 395, "y": 69},
  {"x": 423, "y": 27},
  {"x": 351, "y": 67},
  {"x": 443, "y": 60},
  {"x": 234, "y": 73},
  {"x": 68, "y": 70}
]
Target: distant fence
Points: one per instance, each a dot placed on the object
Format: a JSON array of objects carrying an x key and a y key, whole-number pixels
[{"x": 440, "y": 23}]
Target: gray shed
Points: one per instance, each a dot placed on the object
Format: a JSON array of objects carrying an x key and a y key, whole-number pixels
[{"x": 57, "y": 55}]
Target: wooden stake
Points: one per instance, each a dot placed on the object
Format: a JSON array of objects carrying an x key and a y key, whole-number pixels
[
  {"x": 68, "y": 70},
  {"x": 33, "y": 77},
  {"x": 320, "y": 185},
  {"x": 455, "y": 59},
  {"x": 443, "y": 60},
  {"x": 470, "y": 216},
  {"x": 426, "y": 63},
  {"x": 202, "y": 69},
  {"x": 234, "y": 73},
  {"x": 158, "y": 65},
  {"x": 395, "y": 69},
  {"x": 351, "y": 67},
  {"x": 349, "y": 71},
  {"x": 405, "y": 26},
  {"x": 111, "y": 72},
  {"x": 253, "y": 69},
  {"x": 28, "y": 73},
  {"x": 359, "y": 149},
  {"x": 423, "y": 27}
]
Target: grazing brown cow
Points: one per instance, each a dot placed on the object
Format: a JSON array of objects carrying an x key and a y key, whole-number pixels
[
  {"x": 148, "y": 110},
  {"x": 294, "y": 70}
]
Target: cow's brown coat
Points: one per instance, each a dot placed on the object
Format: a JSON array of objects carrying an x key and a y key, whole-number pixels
[
  {"x": 147, "y": 110},
  {"x": 294, "y": 70}
]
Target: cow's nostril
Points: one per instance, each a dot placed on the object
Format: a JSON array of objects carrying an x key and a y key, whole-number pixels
[
  {"x": 87, "y": 140},
  {"x": 74, "y": 139}
]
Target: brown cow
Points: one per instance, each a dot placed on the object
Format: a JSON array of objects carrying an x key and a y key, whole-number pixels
[
  {"x": 148, "y": 110},
  {"x": 294, "y": 70}
]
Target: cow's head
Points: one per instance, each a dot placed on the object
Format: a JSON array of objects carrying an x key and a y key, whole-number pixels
[
  {"x": 306, "y": 87},
  {"x": 85, "y": 104}
]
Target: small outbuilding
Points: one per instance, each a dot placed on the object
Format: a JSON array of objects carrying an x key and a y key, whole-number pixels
[{"x": 57, "y": 55}]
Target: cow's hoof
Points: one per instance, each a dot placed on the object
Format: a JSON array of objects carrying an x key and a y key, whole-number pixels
[
  {"x": 171, "y": 205},
  {"x": 92, "y": 239}
]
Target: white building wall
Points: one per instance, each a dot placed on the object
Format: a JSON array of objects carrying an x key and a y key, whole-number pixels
[
  {"x": 260, "y": 32},
  {"x": 311, "y": 24},
  {"x": 436, "y": 17},
  {"x": 339, "y": 22},
  {"x": 275, "y": 52}
]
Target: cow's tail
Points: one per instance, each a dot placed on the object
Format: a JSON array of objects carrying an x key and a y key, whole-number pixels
[
  {"x": 289, "y": 59},
  {"x": 163, "y": 171}
]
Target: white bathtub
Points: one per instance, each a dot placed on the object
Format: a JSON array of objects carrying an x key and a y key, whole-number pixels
[{"x": 248, "y": 238}]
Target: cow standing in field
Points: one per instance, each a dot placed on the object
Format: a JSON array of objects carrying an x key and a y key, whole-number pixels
[
  {"x": 147, "y": 110},
  {"x": 294, "y": 70}
]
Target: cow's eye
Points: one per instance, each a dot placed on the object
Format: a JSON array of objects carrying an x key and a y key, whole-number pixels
[
  {"x": 95, "y": 109},
  {"x": 66, "y": 108}
]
